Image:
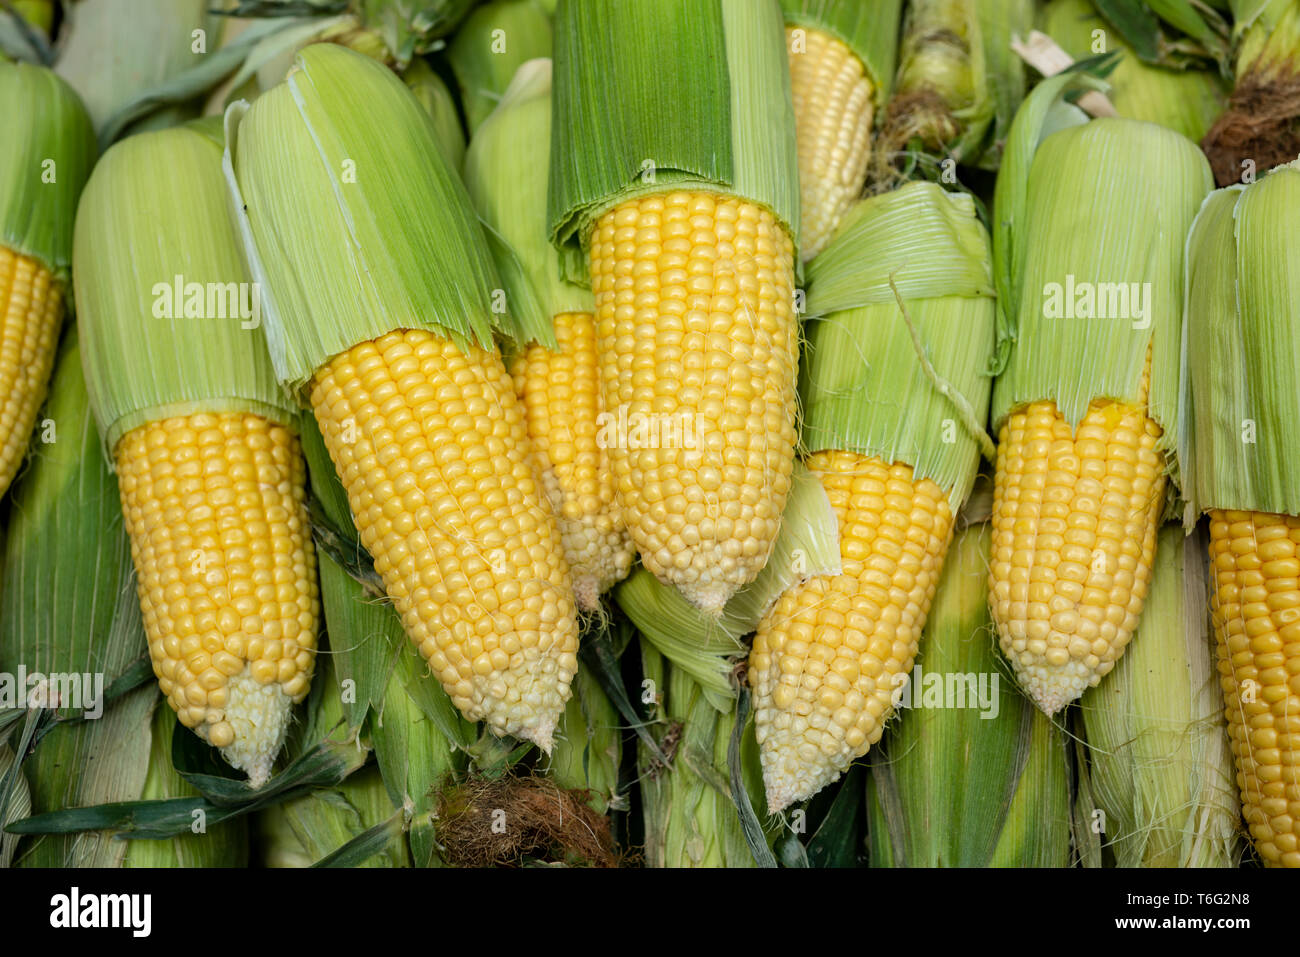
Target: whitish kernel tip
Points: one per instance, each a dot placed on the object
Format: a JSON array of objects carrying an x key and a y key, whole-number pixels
[
  {"x": 586, "y": 591},
  {"x": 542, "y": 734},
  {"x": 259, "y": 716},
  {"x": 710, "y": 599}
]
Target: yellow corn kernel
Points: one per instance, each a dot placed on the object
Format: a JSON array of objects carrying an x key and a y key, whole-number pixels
[
  {"x": 31, "y": 308},
  {"x": 698, "y": 347},
  {"x": 560, "y": 394},
  {"x": 1075, "y": 518},
  {"x": 833, "y": 113},
  {"x": 1255, "y": 602},
  {"x": 215, "y": 505},
  {"x": 430, "y": 443},
  {"x": 830, "y": 654}
]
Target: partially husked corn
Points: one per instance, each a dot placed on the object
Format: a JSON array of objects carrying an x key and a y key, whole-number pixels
[
  {"x": 698, "y": 345},
  {"x": 833, "y": 112},
  {"x": 31, "y": 309},
  {"x": 215, "y": 505},
  {"x": 1255, "y": 602},
  {"x": 1075, "y": 517},
  {"x": 430, "y": 444},
  {"x": 559, "y": 390},
  {"x": 830, "y": 655}
]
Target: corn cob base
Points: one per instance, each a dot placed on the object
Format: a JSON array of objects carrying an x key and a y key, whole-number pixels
[
  {"x": 431, "y": 446},
  {"x": 698, "y": 351},
  {"x": 560, "y": 394},
  {"x": 215, "y": 506},
  {"x": 1255, "y": 562},
  {"x": 31, "y": 309},
  {"x": 1075, "y": 517},
  {"x": 830, "y": 654},
  {"x": 833, "y": 112}
]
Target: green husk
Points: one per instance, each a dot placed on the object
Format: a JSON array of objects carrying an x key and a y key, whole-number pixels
[
  {"x": 589, "y": 745},
  {"x": 87, "y": 763},
  {"x": 506, "y": 171},
  {"x": 1064, "y": 214},
  {"x": 155, "y": 212},
  {"x": 1243, "y": 305},
  {"x": 18, "y": 807},
  {"x": 1001, "y": 22},
  {"x": 1268, "y": 39},
  {"x": 352, "y": 219},
  {"x": 704, "y": 647},
  {"x": 959, "y": 83},
  {"x": 417, "y": 735},
  {"x": 67, "y": 595},
  {"x": 719, "y": 65},
  {"x": 1200, "y": 32},
  {"x": 1036, "y": 831},
  {"x": 865, "y": 387},
  {"x": 973, "y": 786},
  {"x": 1161, "y": 768},
  {"x": 411, "y": 27},
  {"x": 49, "y": 150},
  {"x": 870, "y": 30},
  {"x": 303, "y": 831},
  {"x": 68, "y": 607},
  {"x": 495, "y": 40},
  {"x": 1187, "y": 101},
  {"x": 689, "y": 814},
  {"x": 223, "y": 845},
  {"x": 117, "y": 51},
  {"x": 300, "y": 832},
  {"x": 437, "y": 101},
  {"x": 25, "y": 31}
]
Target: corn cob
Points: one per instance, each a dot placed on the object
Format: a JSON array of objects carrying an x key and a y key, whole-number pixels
[
  {"x": 41, "y": 175},
  {"x": 416, "y": 408},
  {"x": 1255, "y": 556},
  {"x": 693, "y": 275},
  {"x": 1075, "y": 514},
  {"x": 827, "y": 658},
  {"x": 831, "y": 653},
  {"x": 1242, "y": 289},
  {"x": 833, "y": 113},
  {"x": 1085, "y": 406},
  {"x": 557, "y": 378},
  {"x": 841, "y": 64},
  {"x": 213, "y": 483},
  {"x": 491, "y": 609}
]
